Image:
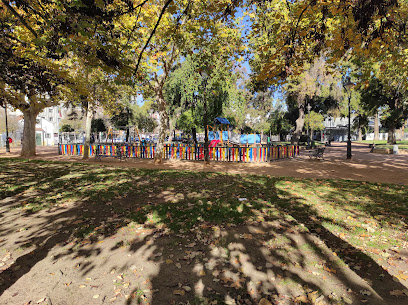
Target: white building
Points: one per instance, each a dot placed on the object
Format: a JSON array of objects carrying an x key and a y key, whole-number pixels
[
  {"x": 336, "y": 129},
  {"x": 47, "y": 126}
]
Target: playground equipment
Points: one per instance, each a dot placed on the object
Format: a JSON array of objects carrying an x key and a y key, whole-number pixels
[
  {"x": 219, "y": 122},
  {"x": 225, "y": 135},
  {"x": 237, "y": 139},
  {"x": 110, "y": 136}
]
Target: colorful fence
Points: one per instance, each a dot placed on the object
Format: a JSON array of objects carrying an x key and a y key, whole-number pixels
[{"x": 188, "y": 152}]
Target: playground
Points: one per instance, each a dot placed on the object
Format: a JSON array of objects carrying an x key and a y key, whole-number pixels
[{"x": 364, "y": 166}]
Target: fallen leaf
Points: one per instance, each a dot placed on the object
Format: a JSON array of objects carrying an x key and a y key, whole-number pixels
[
  {"x": 168, "y": 261},
  {"x": 402, "y": 277},
  {"x": 96, "y": 296},
  {"x": 397, "y": 293},
  {"x": 365, "y": 292},
  {"x": 347, "y": 300},
  {"x": 41, "y": 300},
  {"x": 264, "y": 302},
  {"x": 312, "y": 296},
  {"x": 179, "y": 292},
  {"x": 329, "y": 269},
  {"x": 187, "y": 288},
  {"x": 301, "y": 299}
]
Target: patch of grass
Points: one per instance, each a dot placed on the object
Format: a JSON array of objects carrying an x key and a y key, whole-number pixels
[
  {"x": 183, "y": 201},
  {"x": 84, "y": 231}
]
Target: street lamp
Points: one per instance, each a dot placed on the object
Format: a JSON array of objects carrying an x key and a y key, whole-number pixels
[
  {"x": 7, "y": 133},
  {"x": 330, "y": 125},
  {"x": 348, "y": 86},
  {"x": 308, "y": 123}
]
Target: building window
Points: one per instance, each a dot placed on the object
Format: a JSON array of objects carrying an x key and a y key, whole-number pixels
[{"x": 50, "y": 119}]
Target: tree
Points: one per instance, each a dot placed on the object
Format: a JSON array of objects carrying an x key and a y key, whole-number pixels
[
  {"x": 29, "y": 87},
  {"x": 286, "y": 34},
  {"x": 392, "y": 98},
  {"x": 42, "y": 41},
  {"x": 360, "y": 123},
  {"x": 66, "y": 128},
  {"x": 98, "y": 125},
  {"x": 30, "y": 80},
  {"x": 197, "y": 98},
  {"x": 194, "y": 29},
  {"x": 318, "y": 86},
  {"x": 259, "y": 106},
  {"x": 314, "y": 121},
  {"x": 142, "y": 118},
  {"x": 279, "y": 123}
]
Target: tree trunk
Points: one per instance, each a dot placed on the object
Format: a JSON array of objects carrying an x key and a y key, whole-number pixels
[
  {"x": 391, "y": 135},
  {"x": 171, "y": 129},
  {"x": 300, "y": 122},
  {"x": 376, "y": 127},
  {"x": 360, "y": 133},
  {"x": 194, "y": 133},
  {"x": 127, "y": 125},
  {"x": 158, "y": 156},
  {"x": 89, "y": 117},
  {"x": 28, "y": 148}
]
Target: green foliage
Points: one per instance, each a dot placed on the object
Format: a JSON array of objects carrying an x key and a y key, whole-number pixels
[
  {"x": 141, "y": 117},
  {"x": 66, "y": 128},
  {"x": 122, "y": 118},
  {"x": 279, "y": 124},
  {"x": 314, "y": 121},
  {"x": 187, "y": 121},
  {"x": 391, "y": 100},
  {"x": 186, "y": 90},
  {"x": 98, "y": 125}
]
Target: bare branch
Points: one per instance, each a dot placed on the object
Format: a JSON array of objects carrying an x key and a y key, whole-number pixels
[
  {"x": 152, "y": 33},
  {"x": 19, "y": 17},
  {"x": 132, "y": 9}
]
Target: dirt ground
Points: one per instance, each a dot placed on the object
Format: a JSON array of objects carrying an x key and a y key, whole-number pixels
[
  {"x": 41, "y": 264},
  {"x": 364, "y": 166}
]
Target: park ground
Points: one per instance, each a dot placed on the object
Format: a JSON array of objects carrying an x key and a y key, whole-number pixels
[{"x": 287, "y": 232}]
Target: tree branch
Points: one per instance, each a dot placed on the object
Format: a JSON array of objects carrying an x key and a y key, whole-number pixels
[
  {"x": 152, "y": 33},
  {"x": 132, "y": 9},
  {"x": 19, "y": 17}
]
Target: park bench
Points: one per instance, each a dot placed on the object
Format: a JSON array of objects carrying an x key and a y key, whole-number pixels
[{"x": 317, "y": 153}]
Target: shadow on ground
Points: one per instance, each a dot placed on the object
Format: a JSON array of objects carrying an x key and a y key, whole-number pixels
[{"x": 175, "y": 237}]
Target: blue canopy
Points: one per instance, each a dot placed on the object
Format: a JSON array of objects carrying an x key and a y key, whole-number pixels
[{"x": 221, "y": 121}]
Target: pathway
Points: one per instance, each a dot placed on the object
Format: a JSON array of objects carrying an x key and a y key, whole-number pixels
[{"x": 364, "y": 166}]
